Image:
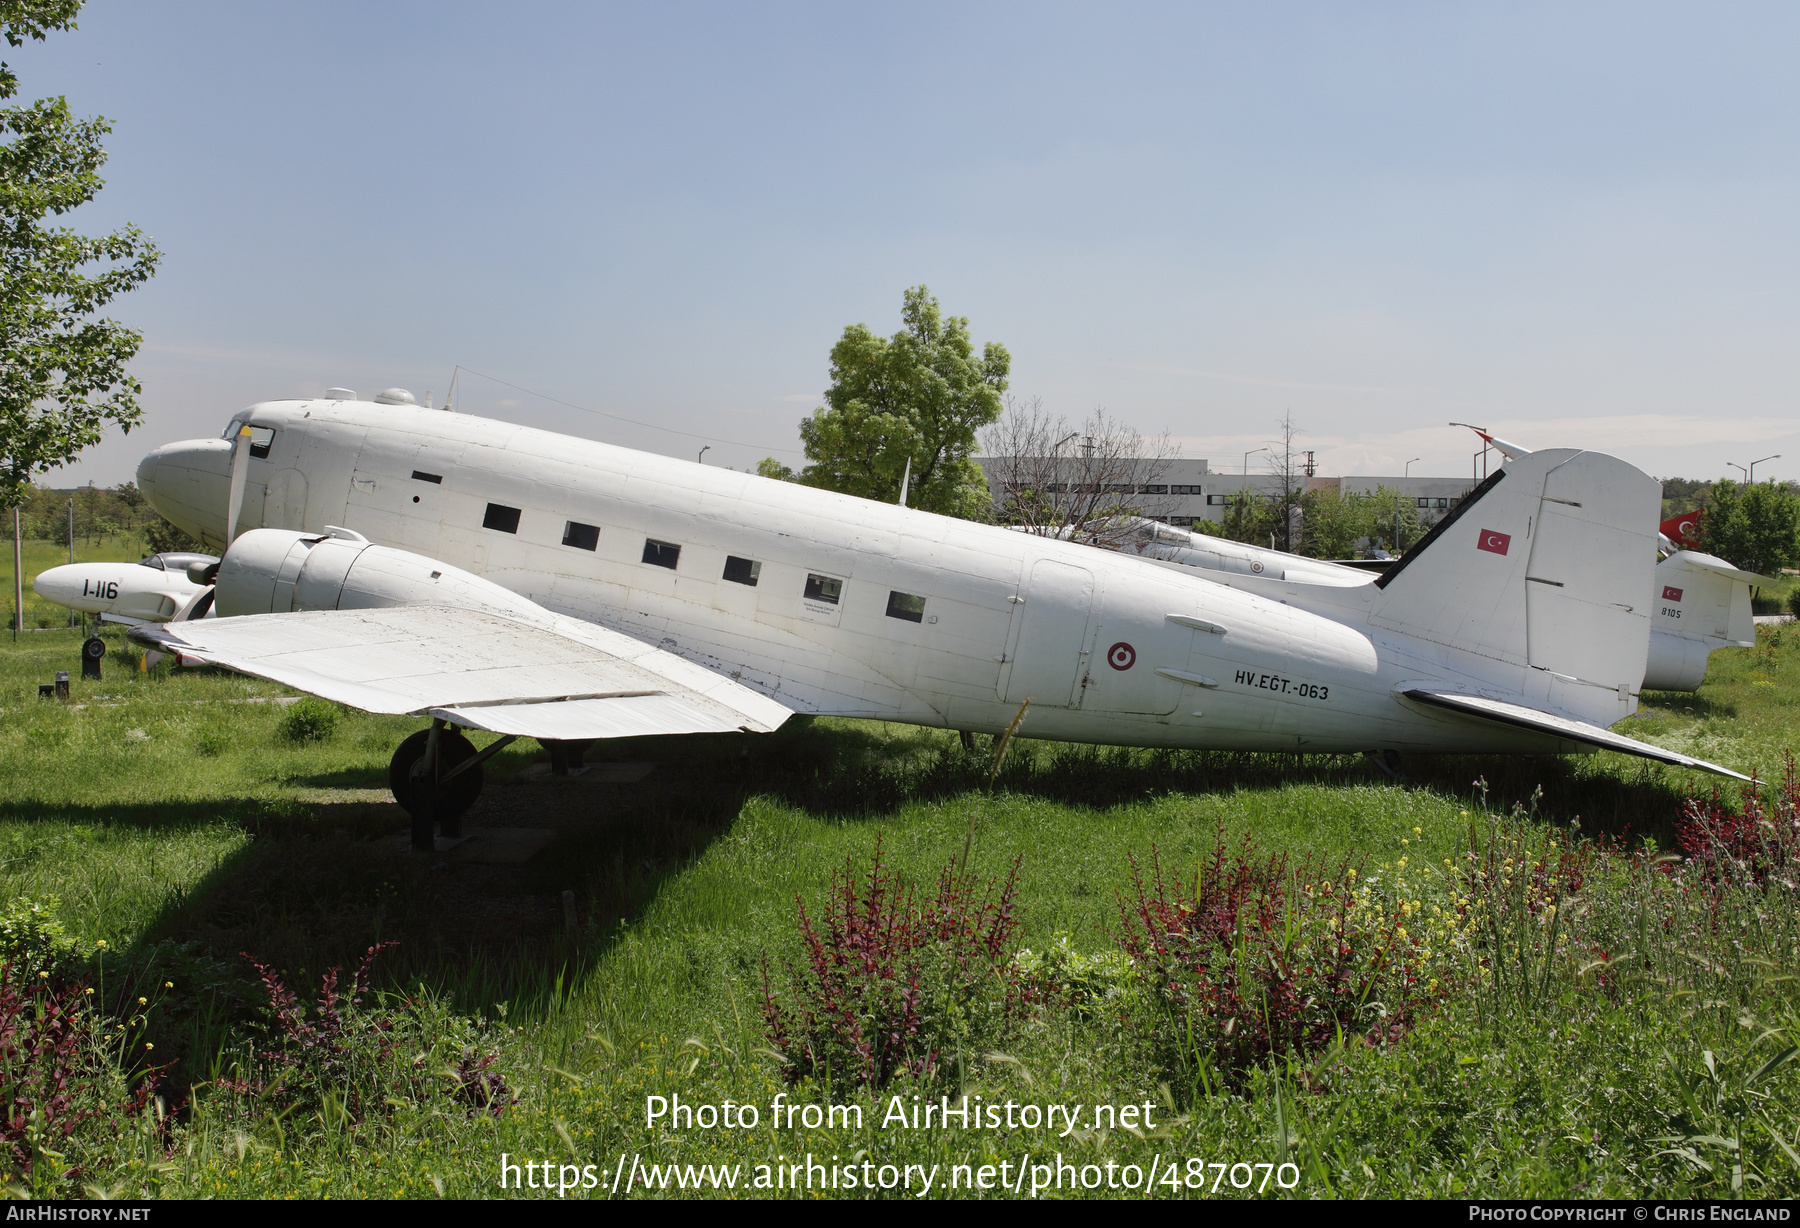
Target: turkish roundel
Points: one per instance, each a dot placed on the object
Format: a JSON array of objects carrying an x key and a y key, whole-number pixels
[
  {"x": 1671, "y": 593},
  {"x": 1492, "y": 542}
]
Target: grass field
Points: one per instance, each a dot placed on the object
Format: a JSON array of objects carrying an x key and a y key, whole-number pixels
[
  {"x": 171, "y": 823},
  {"x": 41, "y": 555}
]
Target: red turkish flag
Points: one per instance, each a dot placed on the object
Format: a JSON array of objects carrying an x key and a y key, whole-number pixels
[
  {"x": 1492, "y": 542},
  {"x": 1671, "y": 593}
]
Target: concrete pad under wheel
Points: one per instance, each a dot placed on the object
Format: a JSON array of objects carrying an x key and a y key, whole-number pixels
[
  {"x": 503, "y": 846},
  {"x": 593, "y": 773}
]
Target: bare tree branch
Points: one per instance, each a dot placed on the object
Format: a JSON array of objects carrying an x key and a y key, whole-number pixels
[{"x": 1082, "y": 484}]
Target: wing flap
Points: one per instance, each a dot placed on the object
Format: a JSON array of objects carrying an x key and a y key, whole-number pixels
[
  {"x": 554, "y": 680},
  {"x": 1519, "y": 716}
]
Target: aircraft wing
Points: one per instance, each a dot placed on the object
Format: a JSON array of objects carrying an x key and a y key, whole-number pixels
[
  {"x": 1561, "y": 727},
  {"x": 559, "y": 679}
]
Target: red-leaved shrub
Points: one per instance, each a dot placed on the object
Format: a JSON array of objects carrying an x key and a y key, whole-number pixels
[
  {"x": 890, "y": 986},
  {"x": 356, "y": 1059},
  {"x": 1760, "y": 844},
  {"x": 1259, "y": 957}
]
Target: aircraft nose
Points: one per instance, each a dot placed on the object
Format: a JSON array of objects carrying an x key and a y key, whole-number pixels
[
  {"x": 60, "y": 585},
  {"x": 188, "y": 483}
]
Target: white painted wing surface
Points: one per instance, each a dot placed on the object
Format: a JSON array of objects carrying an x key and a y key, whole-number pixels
[
  {"x": 555, "y": 679},
  {"x": 1561, "y": 727}
]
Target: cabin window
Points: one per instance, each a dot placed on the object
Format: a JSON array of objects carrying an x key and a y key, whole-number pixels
[
  {"x": 824, "y": 588},
  {"x": 505, "y": 519},
  {"x": 419, "y": 475},
  {"x": 581, "y": 536},
  {"x": 262, "y": 438},
  {"x": 661, "y": 554},
  {"x": 742, "y": 571},
  {"x": 907, "y": 606}
]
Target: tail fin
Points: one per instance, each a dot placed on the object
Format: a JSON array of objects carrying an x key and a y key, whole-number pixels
[
  {"x": 1701, "y": 603},
  {"x": 1548, "y": 564}
]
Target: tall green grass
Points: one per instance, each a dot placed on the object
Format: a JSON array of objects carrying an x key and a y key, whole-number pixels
[{"x": 174, "y": 819}]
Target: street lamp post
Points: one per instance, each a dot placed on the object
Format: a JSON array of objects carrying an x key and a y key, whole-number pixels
[
  {"x": 1248, "y": 455},
  {"x": 1405, "y": 472},
  {"x": 1751, "y": 476},
  {"x": 701, "y": 459},
  {"x": 1740, "y": 469}
]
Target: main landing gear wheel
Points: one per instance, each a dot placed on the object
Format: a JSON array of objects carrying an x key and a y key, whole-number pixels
[{"x": 453, "y": 797}]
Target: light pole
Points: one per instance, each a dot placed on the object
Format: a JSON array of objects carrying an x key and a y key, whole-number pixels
[
  {"x": 1248, "y": 455},
  {"x": 1754, "y": 464},
  {"x": 701, "y": 459},
  {"x": 1405, "y": 472},
  {"x": 1740, "y": 469}
]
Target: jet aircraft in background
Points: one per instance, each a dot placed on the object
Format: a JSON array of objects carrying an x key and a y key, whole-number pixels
[
  {"x": 493, "y": 577},
  {"x": 153, "y": 590}
]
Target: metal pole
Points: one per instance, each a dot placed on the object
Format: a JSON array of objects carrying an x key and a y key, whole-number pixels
[
  {"x": 18, "y": 578},
  {"x": 71, "y": 530}
]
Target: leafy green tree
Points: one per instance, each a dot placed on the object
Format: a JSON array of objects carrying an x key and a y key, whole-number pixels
[
  {"x": 769, "y": 467},
  {"x": 1249, "y": 517},
  {"x": 919, "y": 397},
  {"x": 62, "y": 371},
  {"x": 1753, "y": 527},
  {"x": 1391, "y": 520},
  {"x": 1333, "y": 522}
]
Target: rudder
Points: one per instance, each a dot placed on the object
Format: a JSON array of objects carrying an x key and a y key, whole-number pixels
[{"x": 1548, "y": 564}]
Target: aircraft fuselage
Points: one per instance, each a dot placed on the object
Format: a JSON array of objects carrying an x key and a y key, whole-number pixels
[{"x": 837, "y": 605}]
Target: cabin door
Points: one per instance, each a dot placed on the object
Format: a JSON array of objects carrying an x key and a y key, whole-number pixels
[{"x": 1047, "y": 664}]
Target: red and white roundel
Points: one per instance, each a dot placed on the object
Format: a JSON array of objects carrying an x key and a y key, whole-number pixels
[{"x": 1121, "y": 655}]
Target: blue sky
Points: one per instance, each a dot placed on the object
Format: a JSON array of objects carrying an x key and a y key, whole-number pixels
[{"x": 1574, "y": 224}]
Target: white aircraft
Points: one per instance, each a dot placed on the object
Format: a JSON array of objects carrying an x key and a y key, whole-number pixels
[
  {"x": 158, "y": 589},
  {"x": 1700, "y": 603},
  {"x": 490, "y": 576}
]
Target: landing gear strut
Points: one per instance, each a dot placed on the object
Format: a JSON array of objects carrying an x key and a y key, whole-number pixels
[{"x": 429, "y": 779}]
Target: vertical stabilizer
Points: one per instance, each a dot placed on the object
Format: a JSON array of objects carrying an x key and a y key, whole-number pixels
[{"x": 1548, "y": 564}]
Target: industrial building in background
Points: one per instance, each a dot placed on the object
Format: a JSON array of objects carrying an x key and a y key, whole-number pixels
[{"x": 1185, "y": 492}]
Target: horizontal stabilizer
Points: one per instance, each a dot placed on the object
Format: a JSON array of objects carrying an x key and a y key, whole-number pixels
[
  {"x": 565, "y": 680},
  {"x": 1522, "y": 717}
]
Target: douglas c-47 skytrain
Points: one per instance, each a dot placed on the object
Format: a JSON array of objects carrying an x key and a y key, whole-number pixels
[{"x": 493, "y": 577}]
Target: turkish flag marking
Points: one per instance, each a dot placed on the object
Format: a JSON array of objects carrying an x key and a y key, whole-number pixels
[
  {"x": 1492, "y": 542},
  {"x": 1670, "y": 593}
]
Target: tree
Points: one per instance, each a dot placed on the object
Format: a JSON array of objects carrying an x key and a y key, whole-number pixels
[
  {"x": 769, "y": 467},
  {"x": 62, "y": 372},
  {"x": 919, "y": 398},
  {"x": 1393, "y": 520},
  {"x": 1249, "y": 517},
  {"x": 1334, "y": 522},
  {"x": 1753, "y": 527},
  {"x": 1085, "y": 485}
]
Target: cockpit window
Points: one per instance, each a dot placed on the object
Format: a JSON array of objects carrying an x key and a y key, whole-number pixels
[
  {"x": 261, "y": 437},
  {"x": 178, "y": 560}
]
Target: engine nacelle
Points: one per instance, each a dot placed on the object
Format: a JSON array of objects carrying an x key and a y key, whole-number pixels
[{"x": 273, "y": 571}]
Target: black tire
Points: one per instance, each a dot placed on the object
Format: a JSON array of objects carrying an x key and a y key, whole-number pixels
[
  {"x": 93, "y": 648},
  {"x": 454, "y": 796}
]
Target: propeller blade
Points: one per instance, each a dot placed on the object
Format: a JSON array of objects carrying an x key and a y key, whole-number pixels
[
  {"x": 198, "y": 606},
  {"x": 240, "y": 470}
]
